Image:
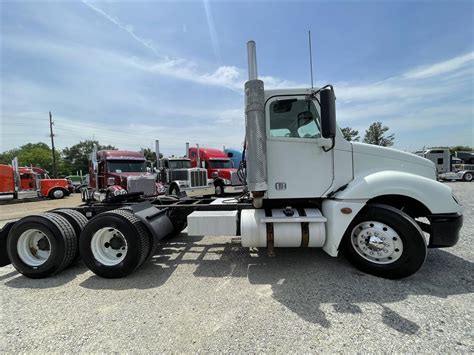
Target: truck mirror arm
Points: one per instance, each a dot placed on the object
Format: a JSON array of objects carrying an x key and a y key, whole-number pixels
[{"x": 325, "y": 143}]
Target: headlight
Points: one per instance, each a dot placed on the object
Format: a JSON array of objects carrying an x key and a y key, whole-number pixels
[{"x": 227, "y": 182}]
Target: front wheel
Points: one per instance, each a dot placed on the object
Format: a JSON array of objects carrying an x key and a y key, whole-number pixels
[
  {"x": 174, "y": 190},
  {"x": 57, "y": 193},
  {"x": 219, "y": 188},
  {"x": 384, "y": 241},
  {"x": 468, "y": 177}
]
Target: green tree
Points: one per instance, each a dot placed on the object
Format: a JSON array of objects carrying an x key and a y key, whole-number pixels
[
  {"x": 150, "y": 155},
  {"x": 32, "y": 154},
  {"x": 376, "y": 134},
  {"x": 76, "y": 157},
  {"x": 350, "y": 134},
  {"x": 462, "y": 148}
]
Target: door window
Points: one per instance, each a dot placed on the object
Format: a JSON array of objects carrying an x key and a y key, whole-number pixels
[{"x": 294, "y": 118}]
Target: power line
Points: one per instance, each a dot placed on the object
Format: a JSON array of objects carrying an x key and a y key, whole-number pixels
[{"x": 52, "y": 143}]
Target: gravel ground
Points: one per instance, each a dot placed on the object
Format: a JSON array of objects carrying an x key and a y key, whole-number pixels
[
  {"x": 207, "y": 294},
  {"x": 10, "y": 210}
]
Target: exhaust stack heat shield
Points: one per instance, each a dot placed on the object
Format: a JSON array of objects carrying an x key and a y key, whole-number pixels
[{"x": 256, "y": 155}]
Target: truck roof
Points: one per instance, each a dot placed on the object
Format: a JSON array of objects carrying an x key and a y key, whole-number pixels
[
  {"x": 176, "y": 158},
  {"x": 296, "y": 91},
  {"x": 120, "y": 154},
  {"x": 208, "y": 153}
]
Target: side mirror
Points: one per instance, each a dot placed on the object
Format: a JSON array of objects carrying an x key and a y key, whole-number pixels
[{"x": 328, "y": 113}]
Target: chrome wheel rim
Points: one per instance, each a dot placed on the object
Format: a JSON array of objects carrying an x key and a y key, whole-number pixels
[
  {"x": 109, "y": 246},
  {"x": 377, "y": 242},
  {"x": 468, "y": 176},
  {"x": 33, "y": 247},
  {"x": 58, "y": 193}
]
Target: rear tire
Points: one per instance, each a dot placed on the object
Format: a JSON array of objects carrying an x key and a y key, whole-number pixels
[
  {"x": 41, "y": 245},
  {"x": 78, "y": 222},
  {"x": 114, "y": 244},
  {"x": 468, "y": 177},
  {"x": 385, "y": 242}
]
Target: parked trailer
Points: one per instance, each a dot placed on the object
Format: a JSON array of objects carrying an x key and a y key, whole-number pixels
[{"x": 361, "y": 200}]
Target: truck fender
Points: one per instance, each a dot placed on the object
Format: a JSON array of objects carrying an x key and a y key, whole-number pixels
[
  {"x": 339, "y": 216},
  {"x": 435, "y": 196}
]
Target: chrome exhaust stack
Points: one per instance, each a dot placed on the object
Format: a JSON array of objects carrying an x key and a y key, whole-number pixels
[
  {"x": 157, "y": 152},
  {"x": 256, "y": 154}
]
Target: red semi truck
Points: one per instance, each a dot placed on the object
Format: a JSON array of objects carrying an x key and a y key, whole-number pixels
[
  {"x": 17, "y": 183},
  {"x": 219, "y": 168},
  {"x": 118, "y": 172}
]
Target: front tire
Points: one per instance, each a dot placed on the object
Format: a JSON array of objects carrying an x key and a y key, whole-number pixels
[
  {"x": 174, "y": 190},
  {"x": 468, "y": 177},
  {"x": 385, "y": 242},
  {"x": 57, "y": 194},
  {"x": 219, "y": 188},
  {"x": 114, "y": 244}
]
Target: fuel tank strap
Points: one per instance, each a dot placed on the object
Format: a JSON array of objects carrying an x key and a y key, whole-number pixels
[
  {"x": 304, "y": 229},
  {"x": 270, "y": 234}
]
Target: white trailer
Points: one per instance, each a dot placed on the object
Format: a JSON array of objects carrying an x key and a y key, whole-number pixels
[{"x": 306, "y": 186}]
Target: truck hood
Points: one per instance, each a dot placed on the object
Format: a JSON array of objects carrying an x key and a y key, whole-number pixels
[
  {"x": 225, "y": 173},
  {"x": 127, "y": 174},
  {"x": 368, "y": 157},
  {"x": 121, "y": 178}
]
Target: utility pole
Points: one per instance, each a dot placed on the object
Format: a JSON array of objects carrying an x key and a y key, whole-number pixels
[{"x": 52, "y": 143}]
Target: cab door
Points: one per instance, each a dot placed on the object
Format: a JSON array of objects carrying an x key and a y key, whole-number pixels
[{"x": 297, "y": 165}]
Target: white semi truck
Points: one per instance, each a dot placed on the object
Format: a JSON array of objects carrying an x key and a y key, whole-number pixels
[
  {"x": 306, "y": 186},
  {"x": 449, "y": 166}
]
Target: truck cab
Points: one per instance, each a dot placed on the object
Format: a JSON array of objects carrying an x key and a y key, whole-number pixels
[
  {"x": 234, "y": 155},
  {"x": 118, "y": 172},
  {"x": 178, "y": 175},
  {"x": 219, "y": 168},
  {"x": 48, "y": 187}
]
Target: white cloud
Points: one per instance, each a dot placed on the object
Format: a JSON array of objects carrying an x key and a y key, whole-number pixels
[
  {"x": 442, "y": 67},
  {"x": 212, "y": 29},
  {"x": 126, "y": 27}
]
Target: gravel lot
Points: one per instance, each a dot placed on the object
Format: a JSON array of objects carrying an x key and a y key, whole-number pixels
[
  {"x": 207, "y": 294},
  {"x": 9, "y": 210}
]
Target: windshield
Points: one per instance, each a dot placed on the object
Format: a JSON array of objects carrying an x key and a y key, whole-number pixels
[
  {"x": 180, "y": 164},
  {"x": 123, "y": 166},
  {"x": 220, "y": 164}
]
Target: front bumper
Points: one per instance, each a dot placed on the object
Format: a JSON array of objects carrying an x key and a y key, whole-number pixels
[
  {"x": 198, "y": 191},
  {"x": 229, "y": 189},
  {"x": 444, "y": 229}
]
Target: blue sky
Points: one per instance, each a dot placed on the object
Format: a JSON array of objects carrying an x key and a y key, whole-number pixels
[{"x": 127, "y": 73}]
